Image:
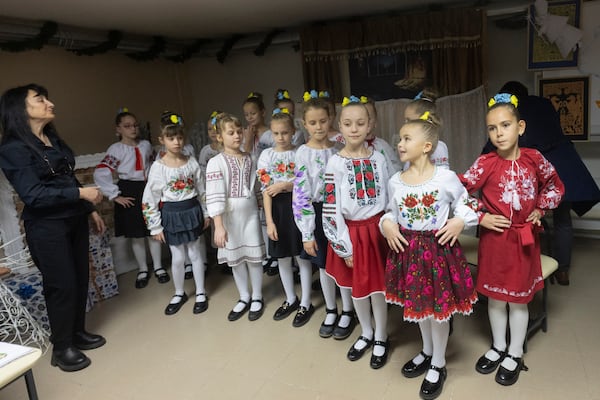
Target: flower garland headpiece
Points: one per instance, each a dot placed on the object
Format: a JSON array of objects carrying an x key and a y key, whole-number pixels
[
  {"x": 354, "y": 100},
  {"x": 310, "y": 95},
  {"x": 283, "y": 95},
  {"x": 324, "y": 94},
  {"x": 504, "y": 98},
  {"x": 176, "y": 119},
  {"x": 253, "y": 95},
  {"x": 213, "y": 119},
  {"x": 281, "y": 111},
  {"x": 122, "y": 110}
]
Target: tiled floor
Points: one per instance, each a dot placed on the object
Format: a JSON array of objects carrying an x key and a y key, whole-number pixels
[{"x": 185, "y": 356}]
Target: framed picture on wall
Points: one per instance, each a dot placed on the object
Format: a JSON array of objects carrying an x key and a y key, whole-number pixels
[
  {"x": 570, "y": 98},
  {"x": 542, "y": 53}
]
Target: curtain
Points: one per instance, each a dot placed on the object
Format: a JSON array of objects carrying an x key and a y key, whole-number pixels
[
  {"x": 455, "y": 38},
  {"x": 463, "y": 124}
]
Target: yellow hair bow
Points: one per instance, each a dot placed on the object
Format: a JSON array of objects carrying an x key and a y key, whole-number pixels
[
  {"x": 281, "y": 111},
  {"x": 310, "y": 95},
  {"x": 214, "y": 114},
  {"x": 174, "y": 119},
  {"x": 425, "y": 116},
  {"x": 364, "y": 99},
  {"x": 504, "y": 98},
  {"x": 351, "y": 99},
  {"x": 323, "y": 94}
]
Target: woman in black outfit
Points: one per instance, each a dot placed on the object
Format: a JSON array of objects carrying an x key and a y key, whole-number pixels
[{"x": 39, "y": 165}]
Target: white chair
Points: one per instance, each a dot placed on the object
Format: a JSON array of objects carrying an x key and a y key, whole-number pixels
[{"x": 21, "y": 367}]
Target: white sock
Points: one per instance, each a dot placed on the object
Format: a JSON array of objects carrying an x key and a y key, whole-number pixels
[
  {"x": 194, "y": 254},
  {"x": 287, "y": 279},
  {"x": 518, "y": 318},
  {"x": 256, "y": 276},
  {"x": 328, "y": 289},
  {"x": 347, "y": 305},
  {"x": 439, "y": 333},
  {"x": 155, "y": 253},
  {"x": 363, "y": 311},
  {"x": 379, "y": 307},
  {"x": 305, "y": 270},
  {"x": 240, "y": 277},
  {"x": 425, "y": 328},
  {"x": 177, "y": 268},
  {"x": 138, "y": 246},
  {"x": 498, "y": 320}
]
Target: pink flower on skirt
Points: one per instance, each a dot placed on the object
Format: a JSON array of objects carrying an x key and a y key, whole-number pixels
[
  {"x": 440, "y": 259},
  {"x": 412, "y": 244},
  {"x": 456, "y": 277},
  {"x": 428, "y": 290},
  {"x": 409, "y": 279},
  {"x": 445, "y": 307},
  {"x": 412, "y": 268},
  {"x": 469, "y": 282},
  {"x": 427, "y": 255},
  {"x": 446, "y": 294},
  {"x": 408, "y": 303}
]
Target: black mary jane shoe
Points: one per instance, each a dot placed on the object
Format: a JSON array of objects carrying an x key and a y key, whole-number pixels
[
  {"x": 87, "y": 341},
  {"x": 141, "y": 280},
  {"x": 286, "y": 309},
  {"x": 162, "y": 275},
  {"x": 507, "y": 377},
  {"x": 254, "y": 315},
  {"x": 200, "y": 306},
  {"x": 340, "y": 333},
  {"x": 303, "y": 316},
  {"x": 235, "y": 315},
  {"x": 172, "y": 308},
  {"x": 412, "y": 370},
  {"x": 430, "y": 390},
  {"x": 379, "y": 361},
  {"x": 355, "y": 354},
  {"x": 326, "y": 330},
  {"x": 69, "y": 359},
  {"x": 486, "y": 366}
]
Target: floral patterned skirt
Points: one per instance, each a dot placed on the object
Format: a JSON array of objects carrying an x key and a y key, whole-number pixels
[{"x": 428, "y": 279}]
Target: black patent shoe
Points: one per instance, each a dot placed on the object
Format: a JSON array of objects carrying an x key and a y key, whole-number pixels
[
  {"x": 235, "y": 315},
  {"x": 412, "y": 370},
  {"x": 87, "y": 341},
  {"x": 340, "y": 333},
  {"x": 326, "y": 330},
  {"x": 69, "y": 359},
  {"x": 172, "y": 308},
  {"x": 200, "y": 306},
  {"x": 379, "y": 361},
  {"x": 507, "y": 377},
  {"x": 354, "y": 353},
  {"x": 254, "y": 315},
  {"x": 430, "y": 390},
  {"x": 303, "y": 316},
  {"x": 162, "y": 275},
  {"x": 286, "y": 309},
  {"x": 141, "y": 280},
  {"x": 486, "y": 366}
]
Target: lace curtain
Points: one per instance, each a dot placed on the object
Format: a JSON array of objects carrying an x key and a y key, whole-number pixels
[
  {"x": 454, "y": 37},
  {"x": 463, "y": 119}
]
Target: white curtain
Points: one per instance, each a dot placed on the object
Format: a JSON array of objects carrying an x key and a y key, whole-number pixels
[{"x": 463, "y": 118}]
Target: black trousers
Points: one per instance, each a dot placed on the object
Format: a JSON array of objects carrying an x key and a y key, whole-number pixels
[{"x": 59, "y": 248}]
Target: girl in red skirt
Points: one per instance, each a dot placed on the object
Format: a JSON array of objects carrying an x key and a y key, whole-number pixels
[
  {"x": 517, "y": 185},
  {"x": 426, "y": 271},
  {"x": 355, "y": 197}
]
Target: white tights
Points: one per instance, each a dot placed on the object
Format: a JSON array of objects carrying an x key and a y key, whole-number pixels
[
  {"x": 376, "y": 307},
  {"x": 517, "y": 318},
  {"x": 241, "y": 273},
  {"x": 287, "y": 279},
  {"x": 178, "y": 256},
  {"x": 138, "y": 245}
]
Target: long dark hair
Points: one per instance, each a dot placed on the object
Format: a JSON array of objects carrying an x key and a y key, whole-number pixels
[{"x": 14, "y": 120}]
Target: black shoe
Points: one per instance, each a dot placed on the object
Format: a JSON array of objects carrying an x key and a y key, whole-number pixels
[
  {"x": 87, "y": 341},
  {"x": 273, "y": 268},
  {"x": 286, "y": 310},
  {"x": 326, "y": 331},
  {"x": 340, "y": 333},
  {"x": 200, "y": 306},
  {"x": 172, "y": 308},
  {"x": 486, "y": 366},
  {"x": 254, "y": 315},
  {"x": 412, "y": 370},
  {"x": 507, "y": 377},
  {"x": 189, "y": 274},
  {"x": 69, "y": 359},
  {"x": 303, "y": 316},
  {"x": 235, "y": 315},
  {"x": 225, "y": 269},
  {"x": 141, "y": 280},
  {"x": 355, "y": 354},
  {"x": 379, "y": 361},
  {"x": 561, "y": 277},
  {"x": 162, "y": 275},
  {"x": 429, "y": 390}
]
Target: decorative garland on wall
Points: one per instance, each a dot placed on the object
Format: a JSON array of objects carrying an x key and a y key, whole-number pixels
[
  {"x": 158, "y": 46},
  {"x": 113, "y": 40},
  {"x": 47, "y": 32},
  {"x": 188, "y": 51}
]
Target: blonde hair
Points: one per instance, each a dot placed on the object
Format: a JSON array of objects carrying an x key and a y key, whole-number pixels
[
  {"x": 224, "y": 118},
  {"x": 430, "y": 125}
]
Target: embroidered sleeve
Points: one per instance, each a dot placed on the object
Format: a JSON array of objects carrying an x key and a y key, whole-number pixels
[
  {"x": 304, "y": 212},
  {"x": 473, "y": 180},
  {"x": 551, "y": 187},
  {"x": 461, "y": 202},
  {"x": 215, "y": 188},
  {"x": 151, "y": 200},
  {"x": 103, "y": 175},
  {"x": 392, "y": 211},
  {"x": 262, "y": 170},
  {"x": 334, "y": 225},
  {"x": 199, "y": 177}
]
